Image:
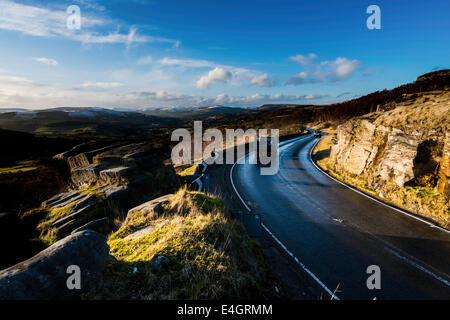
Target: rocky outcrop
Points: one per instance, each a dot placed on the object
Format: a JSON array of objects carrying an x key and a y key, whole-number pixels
[
  {"x": 118, "y": 164},
  {"x": 401, "y": 154},
  {"x": 114, "y": 174},
  {"x": 119, "y": 178},
  {"x": 86, "y": 175},
  {"x": 44, "y": 276},
  {"x": 103, "y": 226},
  {"x": 62, "y": 199},
  {"x": 152, "y": 205},
  {"x": 387, "y": 154},
  {"x": 406, "y": 145},
  {"x": 77, "y": 161},
  {"x": 444, "y": 171}
]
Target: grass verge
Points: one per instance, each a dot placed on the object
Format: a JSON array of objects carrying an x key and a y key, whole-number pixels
[{"x": 208, "y": 255}]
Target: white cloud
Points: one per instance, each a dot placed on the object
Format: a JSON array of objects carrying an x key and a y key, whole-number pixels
[
  {"x": 237, "y": 75},
  {"x": 188, "y": 63},
  {"x": 214, "y": 76},
  {"x": 259, "y": 98},
  {"x": 343, "y": 67},
  {"x": 11, "y": 81},
  {"x": 22, "y": 92},
  {"x": 47, "y": 61},
  {"x": 43, "y": 22},
  {"x": 304, "y": 60},
  {"x": 102, "y": 85},
  {"x": 328, "y": 70},
  {"x": 145, "y": 60},
  {"x": 262, "y": 80}
]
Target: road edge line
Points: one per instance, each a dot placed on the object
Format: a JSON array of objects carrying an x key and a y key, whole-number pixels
[
  {"x": 304, "y": 268},
  {"x": 432, "y": 225}
]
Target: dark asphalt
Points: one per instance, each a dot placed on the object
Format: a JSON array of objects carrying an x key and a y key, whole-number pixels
[{"x": 337, "y": 233}]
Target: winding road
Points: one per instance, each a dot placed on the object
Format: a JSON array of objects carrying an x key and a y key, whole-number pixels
[{"x": 335, "y": 233}]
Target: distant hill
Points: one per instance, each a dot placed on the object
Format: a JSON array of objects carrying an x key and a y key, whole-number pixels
[
  {"x": 98, "y": 122},
  {"x": 20, "y": 145},
  {"x": 193, "y": 112},
  {"x": 81, "y": 122},
  {"x": 87, "y": 122},
  {"x": 438, "y": 80}
]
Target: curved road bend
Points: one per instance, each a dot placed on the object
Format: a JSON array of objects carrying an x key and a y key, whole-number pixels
[{"x": 337, "y": 233}]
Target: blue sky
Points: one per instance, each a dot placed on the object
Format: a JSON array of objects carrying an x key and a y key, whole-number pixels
[{"x": 139, "y": 53}]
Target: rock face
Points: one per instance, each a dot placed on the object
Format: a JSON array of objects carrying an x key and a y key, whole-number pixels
[
  {"x": 387, "y": 154},
  {"x": 44, "y": 276},
  {"x": 444, "y": 171},
  {"x": 408, "y": 145},
  {"x": 120, "y": 164}
]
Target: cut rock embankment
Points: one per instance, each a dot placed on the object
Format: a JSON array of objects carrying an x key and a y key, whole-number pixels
[{"x": 401, "y": 154}]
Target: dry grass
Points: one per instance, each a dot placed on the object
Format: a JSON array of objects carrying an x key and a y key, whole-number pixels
[{"x": 210, "y": 255}]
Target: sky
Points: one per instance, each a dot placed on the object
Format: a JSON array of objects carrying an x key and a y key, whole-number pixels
[{"x": 166, "y": 53}]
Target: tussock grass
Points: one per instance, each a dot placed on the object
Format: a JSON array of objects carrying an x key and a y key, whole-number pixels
[{"x": 210, "y": 256}]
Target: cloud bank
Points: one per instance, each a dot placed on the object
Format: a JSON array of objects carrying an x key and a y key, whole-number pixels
[{"x": 325, "y": 71}]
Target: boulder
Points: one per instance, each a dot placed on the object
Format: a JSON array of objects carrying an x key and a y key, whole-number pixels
[
  {"x": 104, "y": 226},
  {"x": 152, "y": 205},
  {"x": 86, "y": 202},
  {"x": 73, "y": 219},
  {"x": 44, "y": 276},
  {"x": 115, "y": 174},
  {"x": 141, "y": 232},
  {"x": 62, "y": 200},
  {"x": 113, "y": 192}
]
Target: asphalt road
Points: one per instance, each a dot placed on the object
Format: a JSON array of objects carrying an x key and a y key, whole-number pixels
[{"x": 335, "y": 233}]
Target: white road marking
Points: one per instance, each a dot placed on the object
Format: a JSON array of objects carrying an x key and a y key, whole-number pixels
[
  {"x": 312, "y": 275},
  {"x": 418, "y": 266},
  {"x": 372, "y": 198},
  {"x": 398, "y": 255}
]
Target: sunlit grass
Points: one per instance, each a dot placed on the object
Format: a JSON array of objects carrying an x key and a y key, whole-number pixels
[{"x": 21, "y": 166}]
